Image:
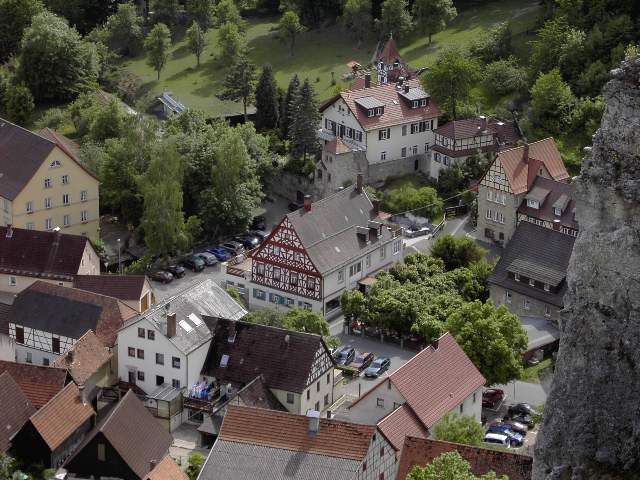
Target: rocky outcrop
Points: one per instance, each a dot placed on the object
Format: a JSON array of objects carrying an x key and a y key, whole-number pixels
[{"x": 591, "y": 428}]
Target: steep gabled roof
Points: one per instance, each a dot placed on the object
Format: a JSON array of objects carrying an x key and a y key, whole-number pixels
[
  {"x": 401, "y": 423},
  {"x": 62, "y": 416},
  {"x": 283, "y": 430},
  {"x": 15, "y": 412},
  {"x": 122, "y": 287},
  {"x": 134, "y": 433},
  {"x": 69, "y": 311},
  {"x": 422, "y": 451},
  {"x": 39, "y": 383},
  {"x": 390, "y": 53},
  {"x": 167, "y": 469},
  {"x": 559, "y": 194},
  {"x": 337, "y": 147},
  {"x": 257, "y": 394},
  {"x": 284, "y": 358},
  {"x": 33, "y": 253},
  {"x": 87, "y": 356},
  {"x": 68, "y": 146}
]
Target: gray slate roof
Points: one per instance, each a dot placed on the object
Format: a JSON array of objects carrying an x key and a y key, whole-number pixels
[
  {"x": 415, "y": 94},
  {"x": 369, "y": 102},
  {"x": 545, "y": 252},
  {"x": 540, "y": 331},
  {"x": 239, "y": 461},
  {"x": 328, "y": 231},
  {"x": 190, "y": 306}
]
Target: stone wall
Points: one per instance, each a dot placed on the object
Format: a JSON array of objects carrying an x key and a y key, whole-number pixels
[{"x": 591, "y": 427}]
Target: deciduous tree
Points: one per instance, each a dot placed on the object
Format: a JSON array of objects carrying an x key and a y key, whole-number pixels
[
  {"x": 357, "y": 19},
  {"x": 201, "y": 11},
  {"x": 15, "y": 16},
  {"x": 449, "y": 466},
  {"x": 231, "y": 41},
  {"x": 239, "y": 84},
  {"x": 196, "y": 40},
  {"x": 459, "y": 429},
  {"x": 308, "y": 321},
  {"x": 432, "y": 16},
  {"x": 289, "y": 28},
  {"x": 226, "y": 11},
  {"x": 157, "y": 46},
  {"x": 267, "y": 316},
  {"x": 551, "y": 102},
  {"x": 395, "y": 18},
  {"x": 456, "y": 252},
  {"x": 165, "y": 11},
  {"x": 267, "y": 107},
  {"x": 124, "y": 30},
  {"x": 19, "y": 103},
  {"x": 494, "y": 44}
]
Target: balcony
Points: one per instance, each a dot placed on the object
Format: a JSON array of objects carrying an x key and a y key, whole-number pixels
[
  {"x": 240, "y": 266},
  {"x": 328, "y": 135}
]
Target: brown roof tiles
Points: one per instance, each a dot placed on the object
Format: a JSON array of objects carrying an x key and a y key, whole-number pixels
[
  {"x": 86, "y": 357},
  {"x": 389, "y": 53},
  {"x": 15, "y": 412},
  {"x": 337, "y": 147},
  {"x": 39, "y": 383},
  {"x": 287, "y": 431},
  {"x": 122, "y": 287},
  {"x": 558, "y": 192},
  {"x": 167, "y": 469},
  {"x": 62, "y": 416},
  {"x": 421, "y": 451},
  {"x": 401, "y": 423}
]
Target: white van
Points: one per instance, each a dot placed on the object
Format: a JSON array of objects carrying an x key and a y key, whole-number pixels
[{"x": 498, "y": 439}]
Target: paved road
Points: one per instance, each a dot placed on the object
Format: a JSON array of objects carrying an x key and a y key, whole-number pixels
[{"x": 458, "y": 227}]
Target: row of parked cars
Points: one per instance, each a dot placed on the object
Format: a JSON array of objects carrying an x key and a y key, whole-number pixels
[
  {"x": 512, "y": 430},
  {"x": 372, "y": 367},
  {"x": 211, "y": 256}
]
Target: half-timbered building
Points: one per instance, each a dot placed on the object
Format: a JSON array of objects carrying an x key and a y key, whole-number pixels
[
  {"x": 511, "y": 180},
  {"x": 318, "y": 252}
]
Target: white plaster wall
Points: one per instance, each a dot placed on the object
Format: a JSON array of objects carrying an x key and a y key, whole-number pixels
[
  {"x": 7, "y": 348},
  {"x": 344, "y": 117},
  {"x": 294, "y": 407},
  {"x": 326, "y": 388},
  {"x": 367, "y": 410},
  {"x": 23, "y": 282},
  {"x": 195, "y": 362},
  {"x": 393, "y": 145}
]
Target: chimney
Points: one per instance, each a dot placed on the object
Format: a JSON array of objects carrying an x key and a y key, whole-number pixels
[
  {"x": 359, "y": 182},
  {"x": 152, "y": 464},
  {"x": 287, "y": 339},
  {"x": 307, "y": 203},
  {"x": 83, "y": 395},
  {"x": 556, "y": 224},
  {"x": 406, "y": 88},
  {"x": 363, "y": 232},
  {"x": 9, "y": 230},
  {"x": 171, "y": 325},
  {"x": 525, "y": 153},
  {"x": 367, "y": 80},
  {"x": 376, "y": 207},
  {"x": 435, "y": 344},
  {"x": 314, "y": 421},
  {"x": 483, "y": 123}
]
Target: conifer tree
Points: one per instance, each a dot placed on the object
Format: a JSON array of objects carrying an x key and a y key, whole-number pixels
[
  {"x": 305, "y": 119},
  {"x": 285, "y": 115},
  {"x": 267, "y": 112}
]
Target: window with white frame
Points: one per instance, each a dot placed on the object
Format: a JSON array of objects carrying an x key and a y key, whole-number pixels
[
  {"x": 84, "y": 215},
  {"x": 12, "y": 281},
  {"x": 65, "y": 199},
  {"x": 260, "y": 268},
  {"x": 367, "y": 260},
  {"x": 55, "y": 164},
  {"x": 516, "y": 277},
  {"x": 293, "y": 278},
  {"x": 488, "y": 214},
  {"x": 31, "y": 226},
  {"x": 396, "y": 247},
  {"x": 507, "y": 297},
  {"x": 526, "y": 304},
  {"x": 415, "y": 104},
  {"x": 383, "y": 252},
  {"x": 48, "y": 224},
  {"x": 532, "y": 203},
  {"x": 383, "y": 155},
  {"x": 276, "y": 273},
  {"x": 489, "y": 195},
  {"x": 384, "y": 134},
  {"x": 426, "y": 147},
  {"x": 355, "y": 269},
  {"x": 66, "y": 220},
  {"x": 259, "y": 294},
  {"x": 414, "y": 149},
  {"x": 403, "y": 152},
  {"x": 423, "y": 102},
  {"x": 47, "y": 183},
  {"x": 547, "y": 311},
  {"x": 379, "y": 110},
  {"x": 557, "y": 211},
  {"x": 29, "y": 207},
  {"x": 414, "y": 128},
  {"x": 47, "y": 202},
  {"x": 547, "y": 287},
  {"x": 83, "y": 196},
  {"x": 340, "y": 276},
  {"x": 65, "y": 179},
  {"x": 436, "y": 157},
  {"x": 532, "y": 282}
]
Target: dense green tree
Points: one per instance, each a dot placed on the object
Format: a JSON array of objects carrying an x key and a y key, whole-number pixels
[
  {"x": 556, "y": 45},
  {"x": 314, "y": 12},
  {"x": 492, "y": 337},
  {"x": 309, "y": 321},
  {"x": 395, "y": 18},
  {"x": 592, "y": 79},
  {"x": 449, "y": 466},
  {"x": 165, "y": 11},
  {"x": 201, "y": 11},
  {"x": 433, "y": 16},
  {"x": 493, "y": 44},
  {"x": 108, "y": 122},
  {"x": 82, "y": 14},
  {"x": 52, "y": 60},
  {"x": 15, "y": 16},
  {"x": 586, "y": 117},
  {"x": 267, "y": 316},
  {"x": 305, "y": 118},
  {"x": 231, "y": 41},
  {"x": 459, "y": 429},
  {"x": 420, "y": 201},
  {"x": 471, "y": 281},
  {"x": 196, "y": 461},
  {"x": 267, "y": 107},
  {"x": 286, "y": 105},
  {"x": 503, "y": 77},
  {"x": 196, "y": 40},
  {"x": 123, "y": 30},
  {"x": 225, "y": 12},
  {"x": 353, "y": 304},
  {"x": 357, "y": 19},
  {"x": 289, "y": 28},
  {"x": 239, "y": 84},
  {"x": 161, "y": 187},
  {"x": 451, "y": 78},
  {"x": 551, "y": 102},
  {"x": 157, "y": 46},
  {"x": 19, "y": 103},
  {"x": 456, "y": 252}
]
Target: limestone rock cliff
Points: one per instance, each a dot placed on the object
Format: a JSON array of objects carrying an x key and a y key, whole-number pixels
[{"x": 591, "y": 428}]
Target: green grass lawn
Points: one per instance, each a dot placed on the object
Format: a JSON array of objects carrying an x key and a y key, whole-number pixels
[{"x": 317, "y": 54}]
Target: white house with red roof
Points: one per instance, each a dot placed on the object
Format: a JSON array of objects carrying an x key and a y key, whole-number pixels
[{"x": 410, "y": 401}]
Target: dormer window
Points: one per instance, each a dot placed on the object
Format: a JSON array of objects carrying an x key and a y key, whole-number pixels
[
  {"x": 379, "y": 111},
  {"x": 516, "y": 277},
  {"x": 533, "y": 203},
  {"x": 557, "y": 212},
  {"x": 371, "y": 105},
  {"x": 415, "y": 104},
  {"x": 371, "y": 112},
  {"x": 547, "y": 287},
  {"x": 423, "y": 102}
]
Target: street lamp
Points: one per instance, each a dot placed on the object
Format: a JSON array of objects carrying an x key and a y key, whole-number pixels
[{"x": 119, "y": 256}]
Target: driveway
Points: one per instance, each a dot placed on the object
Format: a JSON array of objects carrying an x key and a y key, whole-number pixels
[
  {"x": 163, "y": 291},
  {"x": 457, "y": 226}
]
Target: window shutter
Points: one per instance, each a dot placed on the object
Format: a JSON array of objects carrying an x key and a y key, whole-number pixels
[{"x": 388, "y": 133}]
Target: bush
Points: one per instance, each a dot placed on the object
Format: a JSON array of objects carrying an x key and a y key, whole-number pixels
[
  {"x": 53, "y": 118},
  {"x": 422, "y": 201},
  {"x": 348, "y": 371},
  {"x": 19, "y": 104},
  {"x": 504, "y": 76}
]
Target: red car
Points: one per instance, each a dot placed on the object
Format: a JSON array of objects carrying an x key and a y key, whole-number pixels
[
  {"x": 362, "y": 361},
  {"x": 492, "y": 397}
]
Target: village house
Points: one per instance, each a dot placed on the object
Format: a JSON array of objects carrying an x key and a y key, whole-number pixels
[
  {"x": 422, "y": 451},
  {"x": 39, "y": 384},
  {"x": 46, "y": 320},
  {"x": 258, "y": 443},
  {"x": 30, "y": 255},
  {"x": 167, "y": 469},
  {"x": 439, "y": 380},
  {"x": 511, "y": 180},
  {"x": 44, "y": 184},
  {"x": 134, "y": 291},
  {"x": 54, "y": 432},
  {"x": 15, "y": 412},
  {"x": 458, "y": 140},
  {"x": 127, "y": 443},
  {"x": 317, "y": 252}
]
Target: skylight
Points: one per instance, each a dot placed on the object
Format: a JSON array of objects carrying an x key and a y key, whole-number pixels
[
  {"x": 185, "y": 326},
  {"x": 224, "y": 361},
  {"x": 195, "y": 319}
]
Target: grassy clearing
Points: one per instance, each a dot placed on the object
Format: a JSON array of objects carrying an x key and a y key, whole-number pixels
[
  {"x": 535, "y": 373},
  {"x": 317, "y": 54}
]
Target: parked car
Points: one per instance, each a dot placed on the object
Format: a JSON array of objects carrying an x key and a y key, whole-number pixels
[
  {"x": 194, "y": 263},
  {"x": 162, "y": 276},
  {"x": 522, "y": 409},
  {"x": 515, "y": 426},
  {"x": 221, "y": 253},
  {"x": 524, "y": 419},
  {"x": 416, "y": 231},
  {"x": 176, "y": 270},
  {"x": 261, "y": 234},
  {"x": 344, "y": 355},
  {"x": 209, "y": 258},
  {"x": 492, "y": 397},
  {"x": 378, "y": 367},
  {"x": 515, "y": 439},
  {"x": 235, "y": 248},
  {"x": 247, "y": 240},
  {"x": 293, "y": 206},
  {"x": 499, "y": 439},
  {"x": 259, "y": 223},
  {"x": 362, "y": 361}
]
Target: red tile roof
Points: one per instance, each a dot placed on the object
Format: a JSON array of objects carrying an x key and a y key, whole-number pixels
[
  {"x": 546, "y": 211},
  {"x": 40, "y": 384},
  {"x": 15, "y": 412},
  {"x": 122, "y": 287},
  {"x": 420, "y": 451},
  {"x": 337, "y": 147},
  {"x": 33, "y": 253},
  {"x": 167, "y": 469},
  {"x": 268, "y": 428},
  {"x": 401, "y": 423},
  {"x": 62, "y": 416},
  {"x": 396, "y": 109},
  {"x": 86, "y": 357},
  {"x": 521, "y": 174},
  {"x": 390, "y": 53}
]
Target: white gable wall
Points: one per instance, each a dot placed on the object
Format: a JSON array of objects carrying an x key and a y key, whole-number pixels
[{"x": 368, "y": 411}]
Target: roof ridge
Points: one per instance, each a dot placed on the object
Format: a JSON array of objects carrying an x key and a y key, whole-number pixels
[
  {"x": 325, "y": 199},
  {"x": 69, "y": 385},
  {"x": 272, "y": 327},
  {"x": 4, "y": 120},
  {"x": 428, "y": 348},
  {"x": 86, "y": 292},
  {"x": 522, "y": 146}
]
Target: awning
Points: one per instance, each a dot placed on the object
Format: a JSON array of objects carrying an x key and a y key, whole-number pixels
[{"x": 367, "y": 281}]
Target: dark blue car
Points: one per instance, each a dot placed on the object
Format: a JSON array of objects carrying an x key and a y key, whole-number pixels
[
  {"x": 222, "y": 254},
  {"x": 516, "y": 439}
]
